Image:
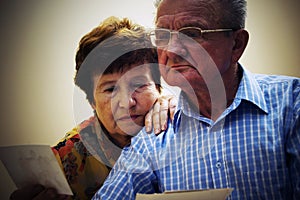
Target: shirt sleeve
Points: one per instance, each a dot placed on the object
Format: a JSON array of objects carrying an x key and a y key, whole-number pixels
[
  {"x": 131, "y": 174},
  {"x": 293, "y": 144}
]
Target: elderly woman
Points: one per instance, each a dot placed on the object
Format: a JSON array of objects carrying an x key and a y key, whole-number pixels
[{"x": 116, "y": 67}]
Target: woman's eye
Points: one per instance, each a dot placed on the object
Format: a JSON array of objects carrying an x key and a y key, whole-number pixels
[{"x": 110, "y": 89}]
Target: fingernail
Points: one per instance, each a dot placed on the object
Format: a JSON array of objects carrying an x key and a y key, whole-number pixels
[
  {"x": 164, "y": 126},
  {"x": 147, "y": 129},
  {"x": 157, "y": 130}
]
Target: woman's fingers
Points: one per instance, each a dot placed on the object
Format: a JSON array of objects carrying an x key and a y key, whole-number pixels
[
  {"x": 148, "y": 121},
  {"x": 27, "y": 192},
  {"x": 157, "y": 117}
]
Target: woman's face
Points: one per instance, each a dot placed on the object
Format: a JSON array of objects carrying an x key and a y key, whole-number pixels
[{"x": 122, "y": 99}]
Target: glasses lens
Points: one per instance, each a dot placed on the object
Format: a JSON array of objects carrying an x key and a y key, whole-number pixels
[
  {"x": 191, "y": 32},
  {"x": 160, "y": 37}
]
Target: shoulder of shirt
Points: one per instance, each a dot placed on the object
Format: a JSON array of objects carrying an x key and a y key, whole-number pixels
[
  {"x": 280, "y": 85},
  {"x": 144, "y": 142},
  {"x": 141, "y": 141},
  {"x": 74, "y": 133},
  {"x": 275, "y": 79},
  {"x": 141, "y": 136}
]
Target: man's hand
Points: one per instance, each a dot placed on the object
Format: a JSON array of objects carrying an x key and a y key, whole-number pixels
[
  {"x": 157, "y": 117},
  {"x": 36, "y": 192}
]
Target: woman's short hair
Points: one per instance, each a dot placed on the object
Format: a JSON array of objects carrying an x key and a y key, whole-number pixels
[{"x": 114, "y": 46}]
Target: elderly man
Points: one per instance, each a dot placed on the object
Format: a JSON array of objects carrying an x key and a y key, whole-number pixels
[{"x": 231, "y": 129}]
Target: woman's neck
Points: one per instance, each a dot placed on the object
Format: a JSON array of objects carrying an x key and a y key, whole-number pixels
[{"x": 117, "y": 139}]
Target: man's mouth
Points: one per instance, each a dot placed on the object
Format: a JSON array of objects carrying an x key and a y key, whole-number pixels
[{"x": 181, "y": 67}]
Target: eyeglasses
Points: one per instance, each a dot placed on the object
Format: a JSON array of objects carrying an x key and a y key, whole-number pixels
[{"x": 160, "y": 37}]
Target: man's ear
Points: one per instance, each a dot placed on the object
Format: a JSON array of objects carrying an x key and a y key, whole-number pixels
[{"x": 241, "y": 38}]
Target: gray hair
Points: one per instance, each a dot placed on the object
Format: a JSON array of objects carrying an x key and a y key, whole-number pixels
[{"x": 233, "y": 12}]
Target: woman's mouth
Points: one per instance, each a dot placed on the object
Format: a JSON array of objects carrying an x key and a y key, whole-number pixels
[{"x": 128, "y": 118}]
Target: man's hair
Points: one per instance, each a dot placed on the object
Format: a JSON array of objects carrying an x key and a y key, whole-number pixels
[
  {"x": 116, "y": 45},
  {"x": 232, "y": 13}
]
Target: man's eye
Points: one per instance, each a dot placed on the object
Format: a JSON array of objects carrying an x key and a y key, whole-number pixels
[
  {"x": 139, "y": 87},
  {"x": 136, "y": 86},
  {"x": 139, "y": 84},
  {"x": 162, "y": 35},
  {"x": 193, "y": 33}
]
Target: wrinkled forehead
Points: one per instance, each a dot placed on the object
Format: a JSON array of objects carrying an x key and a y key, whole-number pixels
[
  {"x": 179, "y": 21},
  {"x": 178, "y": 13},
  {"x": 138, "y": 69},
  {"x": 135, "y": 68},
  {"x": 130, "y": 72}
]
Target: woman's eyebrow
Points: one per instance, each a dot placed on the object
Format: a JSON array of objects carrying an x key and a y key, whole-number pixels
[{"x": 105, "y": 83}]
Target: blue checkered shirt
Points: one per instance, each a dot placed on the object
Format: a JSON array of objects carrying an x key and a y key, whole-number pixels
[{"x": 254, "y": 148}]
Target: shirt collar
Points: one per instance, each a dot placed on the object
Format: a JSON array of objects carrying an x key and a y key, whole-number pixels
[
  {"x": 184, "y": 107},
  {"x": 249, "y": 90}
]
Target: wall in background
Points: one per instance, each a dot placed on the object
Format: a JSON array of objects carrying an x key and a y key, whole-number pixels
[{"x": 274, "y": 44}]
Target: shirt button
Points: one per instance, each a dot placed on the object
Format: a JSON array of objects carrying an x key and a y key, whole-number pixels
[{"x": 218, "y": 165}]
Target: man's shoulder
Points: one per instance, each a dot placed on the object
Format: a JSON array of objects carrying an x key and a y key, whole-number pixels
[
  {"x": 278, "y": 85},
  {"x": 146, "y": 142},
  {"x": 274, "y": 80},
  {"x": 279, "y": 88},
  {"x": 140, "y": 139}
]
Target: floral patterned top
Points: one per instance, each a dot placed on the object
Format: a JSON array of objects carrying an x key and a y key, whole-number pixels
[{"x": 86, "y": 156}]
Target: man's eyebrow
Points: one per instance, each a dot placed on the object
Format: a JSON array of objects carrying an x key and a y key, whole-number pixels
[
  {"x": 140, "y": 76},
  {"x": 192, "y": 23}
]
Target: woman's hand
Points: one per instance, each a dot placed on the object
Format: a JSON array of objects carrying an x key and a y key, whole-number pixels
[
  {"x": 157, "y": 117},
  {"x": 36, "y": 192}
]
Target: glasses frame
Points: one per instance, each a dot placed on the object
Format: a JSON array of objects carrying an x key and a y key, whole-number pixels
[{"x": 152, "y": 33}]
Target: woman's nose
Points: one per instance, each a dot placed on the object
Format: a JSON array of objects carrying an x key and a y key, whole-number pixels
[{"x": 126, "y": 100}]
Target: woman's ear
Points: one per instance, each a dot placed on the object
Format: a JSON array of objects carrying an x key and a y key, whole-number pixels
[
  {"x": 93, "y": 105},
  {"x": 241, "y": 38}
]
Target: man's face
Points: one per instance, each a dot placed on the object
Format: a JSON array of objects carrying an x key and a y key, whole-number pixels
[
  {"x": 122, "y": 99},
  {"x": 192, "y": 62}
]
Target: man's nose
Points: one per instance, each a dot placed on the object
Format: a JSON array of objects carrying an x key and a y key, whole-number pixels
[{"x": 176, "y": 46}]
